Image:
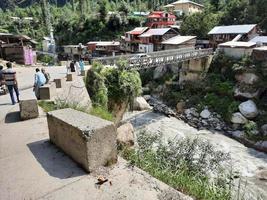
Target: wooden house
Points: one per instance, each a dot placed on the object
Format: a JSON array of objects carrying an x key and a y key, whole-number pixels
[{"x": 18, "y": 48}]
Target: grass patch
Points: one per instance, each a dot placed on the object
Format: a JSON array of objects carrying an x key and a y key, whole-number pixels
[
  {"x": 184, "y": 165},
  {"x": 97, "y": 111},
  {"x": 102, "y": 113}
]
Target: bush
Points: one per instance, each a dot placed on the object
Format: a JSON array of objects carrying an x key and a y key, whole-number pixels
[{"x": 183, "y": 164}]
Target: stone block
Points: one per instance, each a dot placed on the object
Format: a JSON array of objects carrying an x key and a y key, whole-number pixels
[
  {"x": 69, "y": 77},
  {"x": 48, "y": 91},
  {"x": 83, "y": 73},
  {"x": 28, "y": 109},
  {"x": 60, "y": 82},
  {"x": 88, "y": 140}
]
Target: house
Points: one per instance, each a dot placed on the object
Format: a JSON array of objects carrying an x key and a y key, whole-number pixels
[
  {"x": 184, "y": 7},
  {"x": 237, "y": 49},
  {"x": 179, "y": 41},
  {"x": 18, "y": 48},
  {"x": 260, "y": 40},
  {"x": 130, "y": 42},
  {"x": 221, "y": 34},
  {"x": 103, "y": 47},
  {"x": 73, "y": 51},
  {"x": 155, "y": 37},
  {"x": 160, "y": 19}
]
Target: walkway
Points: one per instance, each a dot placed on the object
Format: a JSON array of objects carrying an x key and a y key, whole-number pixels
[{"x": 32, "y": 168}]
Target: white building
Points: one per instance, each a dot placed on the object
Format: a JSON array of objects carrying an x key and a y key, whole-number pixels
[{"x": 237, "y": 49}]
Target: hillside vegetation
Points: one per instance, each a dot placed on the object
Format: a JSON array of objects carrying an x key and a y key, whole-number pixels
[{"x": 79, "y": 21}]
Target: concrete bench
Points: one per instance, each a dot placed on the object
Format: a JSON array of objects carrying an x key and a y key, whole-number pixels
[
  {"x": 48, "y": 91},
  {"x": 87, "y": 139},
  {"x": 60, "y": 82},
  {"x": 28, "y": 109},
  {"x": 83, "y": 73},
  {"x": 69, "y": 77}
]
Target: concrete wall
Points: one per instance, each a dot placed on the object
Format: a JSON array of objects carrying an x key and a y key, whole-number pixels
[
  {"x": 193, "y": 70},
  {"x": 236, "y": 52},
  {"x": 146, "y": 48}
]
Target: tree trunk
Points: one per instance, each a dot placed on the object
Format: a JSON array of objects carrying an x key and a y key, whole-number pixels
[{"x": 118, "y": 110}]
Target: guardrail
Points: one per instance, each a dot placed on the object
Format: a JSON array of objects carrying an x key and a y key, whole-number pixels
[{"x": 156, "y": 58}]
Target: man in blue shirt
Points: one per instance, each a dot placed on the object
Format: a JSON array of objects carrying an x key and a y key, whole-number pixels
[{"x": 39, "y": 81}]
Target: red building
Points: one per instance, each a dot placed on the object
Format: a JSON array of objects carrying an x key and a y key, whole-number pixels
[{"x": 160, "y": 19}]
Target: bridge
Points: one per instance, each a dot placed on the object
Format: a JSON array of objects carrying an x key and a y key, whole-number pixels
[{"x": 155, "y": 59}]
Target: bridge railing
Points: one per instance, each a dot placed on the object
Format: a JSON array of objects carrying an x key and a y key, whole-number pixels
[{"x": 160, "y": 58}]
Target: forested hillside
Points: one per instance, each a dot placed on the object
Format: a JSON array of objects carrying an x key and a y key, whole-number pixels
[{"x": 76, "y": 21}]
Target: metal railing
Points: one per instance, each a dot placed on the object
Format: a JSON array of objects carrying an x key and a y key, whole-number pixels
[{"x": 156, "y": 58}]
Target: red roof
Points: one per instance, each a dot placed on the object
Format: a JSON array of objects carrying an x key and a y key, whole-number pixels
[
  {"x": 160, "y": 14},
  {"x": 137, "y": 31}
]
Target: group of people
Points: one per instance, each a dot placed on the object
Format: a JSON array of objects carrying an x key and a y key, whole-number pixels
[
  {"x": 8, "y": 78},
  {"x": 75, "y": 66},
  {"x": 40, "y": 78}
]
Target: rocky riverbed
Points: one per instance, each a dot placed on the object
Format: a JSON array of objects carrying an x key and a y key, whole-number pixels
[{"x": 251, "y": 165}]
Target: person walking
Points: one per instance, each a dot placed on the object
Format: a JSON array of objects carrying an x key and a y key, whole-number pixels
[
  {"x": 77, "y": 67},
  {"x": 72, "y": 66},
  {"x": 10, "y": 80},
  {"x": 81, "y": 63},
  {"x": 47, "y": 75},
  {"x": 39, "y": 81}
]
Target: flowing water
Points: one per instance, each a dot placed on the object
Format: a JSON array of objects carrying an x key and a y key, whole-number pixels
[{"x": 251, "y": 164}]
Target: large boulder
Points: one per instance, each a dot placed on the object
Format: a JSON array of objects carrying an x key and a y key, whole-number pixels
[
  {"x": 246, "y": 94},
  {"x": 247, "y": 78},
  {"x": 180, "y": 106},
  {"x": 205, "y": 114},
  {"x": 141, "y": 104},
  {"x": 238, "y": 118},
  {"x": 159, "y": 72},
  {"x": 125, "y": 134},
  {"x": 264, "y": 129},
  {"x": 248, "y": 109}
]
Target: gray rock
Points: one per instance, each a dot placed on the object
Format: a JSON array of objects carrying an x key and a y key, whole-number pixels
[
  {"x": 205, "y": 114},
  {"x": 159, "y": 72},
  {"x": 180, "y": 106},
  {"x": 264, "y": 129},
  {"x": 238, "y": 118},
  {"x": 140, "y": 104},
  {"x": 248, "y": 109},
  {"x": 247, "y": 78},
  {"x": 147, "y": 97},
  {"x": 238, "y": 134},
  {"x": 125, "y": 134},
  {"x": 238, "y": 93}
]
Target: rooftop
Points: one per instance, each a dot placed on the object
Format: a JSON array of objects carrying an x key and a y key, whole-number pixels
[
  {"x": 183, "y": 2},
  {"x": 178, "y": 39},
  {"x": 155, "y": 31},
  {"x": 238, "y": 44},
  {"x": 263, "y": 48},
  {"x": 160, "y": 14},
  {"x": 262, "y": 39},
  {"x": 104, "y": 43},
  {"x": 232, "y": 29},
  {"x": 137, "y": 31}
]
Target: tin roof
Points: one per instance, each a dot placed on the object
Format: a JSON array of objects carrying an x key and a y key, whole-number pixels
[
  {"x": 262, "y": 39},
  {"x": 155, "y": 31},
  {"x": 161, "y": 14},
  {"x": 137, "y": 30},
  {"x": 104, "y": 43},
  {"x": 232, "y": 29},
  {"x": 183, "y": 2},
  {"x": 237, "y": 44},
  {"x": 178, "y": 39}
]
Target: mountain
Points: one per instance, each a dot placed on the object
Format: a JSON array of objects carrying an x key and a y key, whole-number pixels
[{"x": 6, "y": 4}]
